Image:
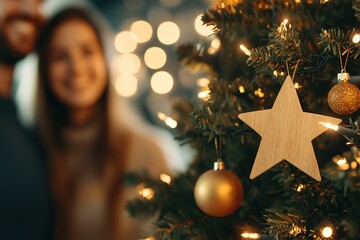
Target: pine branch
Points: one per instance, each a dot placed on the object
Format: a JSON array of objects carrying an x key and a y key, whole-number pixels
[{"x": 287, "y": 201}]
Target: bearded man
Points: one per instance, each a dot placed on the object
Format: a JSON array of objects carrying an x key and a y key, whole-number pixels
[{"x": 25, "y": 206}]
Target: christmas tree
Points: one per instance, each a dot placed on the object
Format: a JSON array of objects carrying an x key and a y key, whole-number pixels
[{"x": 297, "y": 58}]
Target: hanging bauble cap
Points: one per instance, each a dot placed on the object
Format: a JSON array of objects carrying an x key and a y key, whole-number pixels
[{"x": 343, "y": 76}]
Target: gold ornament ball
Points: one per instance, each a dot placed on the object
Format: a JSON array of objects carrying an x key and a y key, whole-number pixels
[
  {"x": 344, "y": 98},
  {"x": 218, "y": 193}
]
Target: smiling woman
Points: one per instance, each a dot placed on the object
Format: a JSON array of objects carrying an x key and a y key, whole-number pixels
[
  {"x": 90, "y": 143},
  {"x": 77, "y": 70}
]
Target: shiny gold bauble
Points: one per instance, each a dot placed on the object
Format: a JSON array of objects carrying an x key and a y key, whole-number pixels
[
  {"x": 218, "y": 193},
  {"x": 344, "y": 98}
]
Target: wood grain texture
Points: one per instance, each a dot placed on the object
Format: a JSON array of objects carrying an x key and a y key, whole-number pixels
[{"x": 286, "y": 133}]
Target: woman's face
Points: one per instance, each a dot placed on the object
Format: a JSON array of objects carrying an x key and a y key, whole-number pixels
[{"x": 77, "y": 67}]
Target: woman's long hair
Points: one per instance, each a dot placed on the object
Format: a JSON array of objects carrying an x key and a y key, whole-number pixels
[
  {"x": 52, "y": 118},
  {"x": 51, "y": 113}
]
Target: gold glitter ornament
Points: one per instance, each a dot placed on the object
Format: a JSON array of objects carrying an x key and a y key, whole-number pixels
[
  {"x": 344, "y": 97},
  {"x": 218, "y": 192}
]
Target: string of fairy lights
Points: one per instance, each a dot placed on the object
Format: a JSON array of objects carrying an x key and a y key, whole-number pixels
[
  {"x": 155, "y": 58},
  {"x": 131, "y": 65}
]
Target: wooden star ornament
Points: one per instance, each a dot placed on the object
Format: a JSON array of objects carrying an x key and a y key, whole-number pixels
[{"x": 286, "y": 133}]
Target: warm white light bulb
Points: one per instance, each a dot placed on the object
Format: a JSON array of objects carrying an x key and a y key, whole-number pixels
[
  {"x": 329, "y": 125},
  {"x": 241, "y": 89},
  {"x": 165, "y": 178},
  {"x": 356, "y": 38},
  {"x": 245, "y": 50},
  {"x": 285, "y": 21},
  {"x": 204, "y": 95},
  {"x": 250, "y": 235},
  {"x": 147, "y": 193},
  {"x": 327, "y": 232}
]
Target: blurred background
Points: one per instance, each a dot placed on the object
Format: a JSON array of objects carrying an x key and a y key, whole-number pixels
[{"x": 145, "y": 36}]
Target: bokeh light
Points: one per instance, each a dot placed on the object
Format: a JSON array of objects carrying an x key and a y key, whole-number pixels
[
  {"x": 202, "y": 29},
  {"x": 167, "y": 120},
  {"x": 203, "y": 82},
  {"x": 142, "y": 30},
  {"x": 168, "y": 33},
  {"x": 162, "y": 82},
  {"x": 214, "y": 46},
  {"x": 216, "y": 43},
  {"x": 125, "y": 42},
  {"x": 155, "y": 57},
  {"x": 128, "y": 64},
  {"x": 126, "y": 85}
]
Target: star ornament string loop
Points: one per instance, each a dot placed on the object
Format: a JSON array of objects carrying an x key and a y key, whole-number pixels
[
  {"x": 286, "y": 133},
  {"x": 288, "y": 70}
]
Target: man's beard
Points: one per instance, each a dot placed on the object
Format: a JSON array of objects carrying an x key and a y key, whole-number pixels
[{"x": 8, "y": 55}]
